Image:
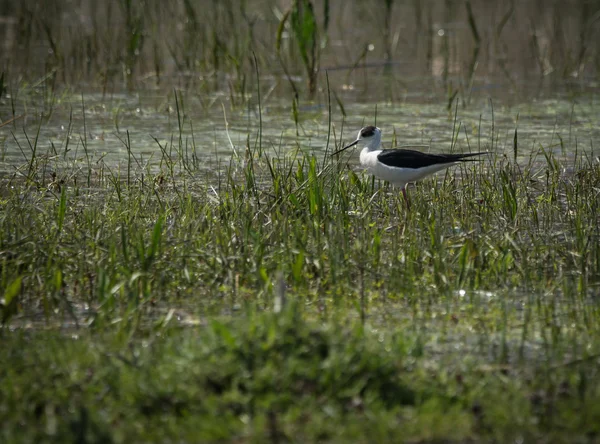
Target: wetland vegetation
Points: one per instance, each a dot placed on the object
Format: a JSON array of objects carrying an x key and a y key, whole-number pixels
[{"x": 182, "y": 260}]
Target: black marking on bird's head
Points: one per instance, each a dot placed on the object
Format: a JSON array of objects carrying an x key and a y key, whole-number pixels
[{"x": 368, "y": 131}]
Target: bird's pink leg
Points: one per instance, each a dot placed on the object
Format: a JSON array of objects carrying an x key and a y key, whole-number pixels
[{"x": 405, "y": 197}]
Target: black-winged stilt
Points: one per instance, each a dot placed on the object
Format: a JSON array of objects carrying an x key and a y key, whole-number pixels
[{"x": 400, "y": 166}]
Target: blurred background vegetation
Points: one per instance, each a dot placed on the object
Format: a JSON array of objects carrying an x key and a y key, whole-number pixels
[{"x": 210, "y": 45}]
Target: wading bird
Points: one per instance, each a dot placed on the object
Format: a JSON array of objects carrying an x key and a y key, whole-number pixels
[{"x": 400, "y": 166}]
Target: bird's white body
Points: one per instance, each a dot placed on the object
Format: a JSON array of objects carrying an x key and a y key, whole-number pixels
[{"x": 395, "y": 175}]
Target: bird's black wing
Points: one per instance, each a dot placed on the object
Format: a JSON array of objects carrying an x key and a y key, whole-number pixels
[{"x": 402, "y": 158}]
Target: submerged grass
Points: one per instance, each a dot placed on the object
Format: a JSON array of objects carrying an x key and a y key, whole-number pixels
[
  {"x": 492, "y": 225},
  {"x": 473, "y": 316}
]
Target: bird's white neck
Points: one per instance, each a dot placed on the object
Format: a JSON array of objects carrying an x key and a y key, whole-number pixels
[
  {"x": 367, "y": 154},
  {"x": 373, "y": 144},
  {"x": 368, "y": 157}
]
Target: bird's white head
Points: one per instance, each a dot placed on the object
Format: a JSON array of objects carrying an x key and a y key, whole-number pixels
[{"x": 369, "y": 137}]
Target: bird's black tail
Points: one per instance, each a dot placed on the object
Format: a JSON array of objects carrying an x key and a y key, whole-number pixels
[{"x": 466, "y": 157}]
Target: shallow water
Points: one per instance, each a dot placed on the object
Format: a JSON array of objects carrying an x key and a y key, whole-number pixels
[{"x": 215, "y": 130}]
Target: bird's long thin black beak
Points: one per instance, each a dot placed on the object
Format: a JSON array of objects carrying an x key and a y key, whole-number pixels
[{"x": 345, "y": 148}]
